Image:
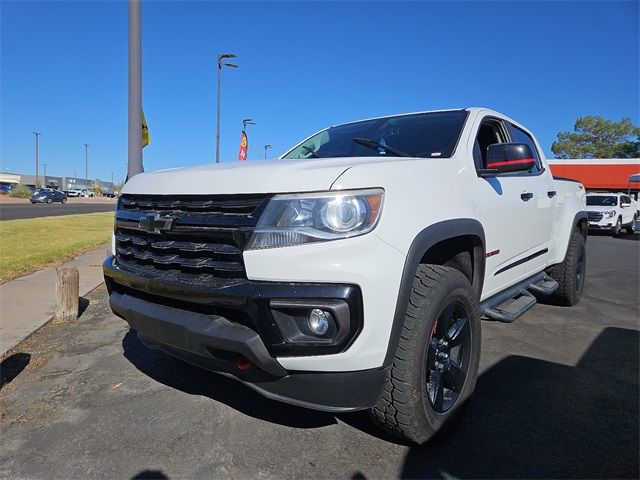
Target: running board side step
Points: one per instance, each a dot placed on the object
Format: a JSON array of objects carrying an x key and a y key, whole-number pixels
[
  {"x": 513, "y": 308},
  {"x": 546, "y": 286}
]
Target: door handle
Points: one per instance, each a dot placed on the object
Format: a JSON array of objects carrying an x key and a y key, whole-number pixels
[
  {"x": 526, "y": 196},
  {"x": 551, "y": 193}
]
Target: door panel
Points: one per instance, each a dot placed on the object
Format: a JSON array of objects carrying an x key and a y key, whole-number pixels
[
  {"x": 543, "y": 205},
  {"x": 505, "y": 213},
  {"x": 506, "y": 220}
]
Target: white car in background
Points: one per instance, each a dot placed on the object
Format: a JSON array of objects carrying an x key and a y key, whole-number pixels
[
  {"x": 79, "y": 192},
  {"x": 611, "y": 212}
]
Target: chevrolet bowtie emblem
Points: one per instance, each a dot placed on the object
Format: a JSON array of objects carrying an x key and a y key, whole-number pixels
[{"x": 154, "y": 223}]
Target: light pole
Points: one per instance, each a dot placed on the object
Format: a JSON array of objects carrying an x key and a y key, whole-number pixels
[
  {"x": 266, "y": 147},
  {"x": 44, "y": 165},
  {"x": 86, "y": 167},
  {"x": 111, "y": 178},
  {"x": 37, "y": 134},
  {"x": 247, "y": 121},
  {"x": 134, "y": 163},
  {"x": 220, "y": 65}
]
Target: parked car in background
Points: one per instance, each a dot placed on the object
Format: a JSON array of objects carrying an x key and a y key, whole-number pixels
[
  {"x": 5, "y": 189},
  {"x": 79, "y": 192},
  {"x": 611, "y": 212},
  {"x": 47, "y": 195}
]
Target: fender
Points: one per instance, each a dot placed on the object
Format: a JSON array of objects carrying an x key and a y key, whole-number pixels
[
  {"x": 578, "y": 217},
  {"x": 426, "y": 239}
]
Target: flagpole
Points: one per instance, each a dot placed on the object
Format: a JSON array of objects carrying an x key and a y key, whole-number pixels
[{"x": 134, "y": 165}]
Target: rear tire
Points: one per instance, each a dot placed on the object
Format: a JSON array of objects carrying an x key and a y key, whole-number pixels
[
  {"x": 435, "y": 366},
  {"x": 64, "y": 200},
  {"x": 570, "y": 274},
  {"x": 632, "y": 227}
]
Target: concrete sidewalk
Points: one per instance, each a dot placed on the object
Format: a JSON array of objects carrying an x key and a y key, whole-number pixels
[{"x": 27, "y": 303}]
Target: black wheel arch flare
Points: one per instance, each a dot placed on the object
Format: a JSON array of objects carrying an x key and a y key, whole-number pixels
[{"x": 427, "y": 238}]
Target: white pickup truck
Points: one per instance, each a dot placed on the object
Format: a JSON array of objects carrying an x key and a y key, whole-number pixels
[{"x": 351, "y": 273}]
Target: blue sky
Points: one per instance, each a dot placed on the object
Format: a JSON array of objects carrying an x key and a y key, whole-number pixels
[{"x": 303, "y": 66}]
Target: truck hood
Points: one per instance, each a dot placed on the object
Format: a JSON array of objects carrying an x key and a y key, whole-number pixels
[{"x": 258, "y": 176}]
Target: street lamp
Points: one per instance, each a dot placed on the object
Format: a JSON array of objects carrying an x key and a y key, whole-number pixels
[
  {"x": 86, "y": 167},
  {"x": 247, "y": 121},
  {"x": 37, "y": 134},
  {"x": 44, "y": 165},
  {"x": 221, "y": 57},
  {"x": 266, "y": 147}
]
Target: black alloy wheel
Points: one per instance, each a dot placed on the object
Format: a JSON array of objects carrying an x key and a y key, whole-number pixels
[{"x": 447, "y": 359}]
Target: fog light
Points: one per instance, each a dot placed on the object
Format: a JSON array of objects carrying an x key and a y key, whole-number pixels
[{"x": 318, "y": 321}]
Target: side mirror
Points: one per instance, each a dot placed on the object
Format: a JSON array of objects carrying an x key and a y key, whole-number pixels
[
  {"x": 508, "y": 158},
  {"x": 625, "y": 204}
]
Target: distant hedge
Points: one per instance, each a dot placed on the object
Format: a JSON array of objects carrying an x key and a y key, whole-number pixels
[{"x": 20, "y": 191}]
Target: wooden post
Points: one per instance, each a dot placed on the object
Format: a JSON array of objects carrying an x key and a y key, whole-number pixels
[{"x": 67, "y": 293}]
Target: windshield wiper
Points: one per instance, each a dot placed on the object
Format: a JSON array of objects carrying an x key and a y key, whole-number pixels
[
  {"x": 373, "y": 145},
  {"x": 310, "y": 150}
]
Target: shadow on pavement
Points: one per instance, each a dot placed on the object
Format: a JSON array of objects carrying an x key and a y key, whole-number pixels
[
  {"x": 83, "y": 304},
  {"x": 175, "y": 373},
  {"x": 150, "y": 475},
  {"x": 620, "y": 236},
  {"x": 12, "y": 366},
  {"x": 527, "y": 418},
  {"x": 531, "y": 418}
]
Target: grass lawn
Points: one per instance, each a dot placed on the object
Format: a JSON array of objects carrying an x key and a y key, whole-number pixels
[{"x": 31, "y": 243}]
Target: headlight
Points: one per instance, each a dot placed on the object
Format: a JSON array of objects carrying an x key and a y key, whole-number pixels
[
  {"x": 316, "y": 217},
  {"x": 610, "y": 214}
]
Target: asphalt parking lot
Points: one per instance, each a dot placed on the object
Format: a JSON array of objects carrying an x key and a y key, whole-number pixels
[
  {"x": 557, "y": 396},
  {"x": 15, "y": 211}
]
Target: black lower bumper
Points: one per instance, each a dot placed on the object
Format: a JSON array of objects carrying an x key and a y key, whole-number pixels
[{"x": 215, "y": 343}]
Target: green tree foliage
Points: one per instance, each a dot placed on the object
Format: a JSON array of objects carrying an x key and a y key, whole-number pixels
[
  {"x": 96, "y": 190},
  {"x": 597, "y": 137},
  {"x": 20, "y": 191}
]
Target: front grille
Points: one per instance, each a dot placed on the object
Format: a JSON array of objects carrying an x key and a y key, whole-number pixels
[
  {"x": 188, "y": 238},
  {"x": 594, "y": 216}
]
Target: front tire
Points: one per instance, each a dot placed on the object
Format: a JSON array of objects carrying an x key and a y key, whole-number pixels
[
  {"x": 570, "y": 274},
  {"x": 49, "y": 201},
  {"x": 617, "y": 228},
  {"x": 435, "y": 366}
]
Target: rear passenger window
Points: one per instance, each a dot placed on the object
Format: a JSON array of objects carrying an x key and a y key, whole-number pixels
[{"x": 520, "y": 136}]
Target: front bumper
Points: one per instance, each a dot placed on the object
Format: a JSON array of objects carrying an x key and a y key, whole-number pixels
[
  {"x": 232, "y": 331},
  {"x": 603, "y": 225}
]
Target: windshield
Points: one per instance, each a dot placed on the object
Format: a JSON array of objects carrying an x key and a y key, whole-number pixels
[
  {"x": 602, "y": 200},
  {"x": 429, "y": 135}
]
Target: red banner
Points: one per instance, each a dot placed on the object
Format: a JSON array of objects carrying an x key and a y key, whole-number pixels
[{"x": 244, "y": 145}]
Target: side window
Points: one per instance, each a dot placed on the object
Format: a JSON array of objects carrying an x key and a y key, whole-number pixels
[
  {"x": 491, "y": 131},
  {"x": 520, "y": 136}
]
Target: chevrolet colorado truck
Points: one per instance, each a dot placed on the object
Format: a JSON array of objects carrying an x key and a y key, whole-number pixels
[{"x": 351, "y": 273}]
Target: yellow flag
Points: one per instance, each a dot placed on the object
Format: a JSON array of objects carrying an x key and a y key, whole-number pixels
[{"x": 146, "y": 137}]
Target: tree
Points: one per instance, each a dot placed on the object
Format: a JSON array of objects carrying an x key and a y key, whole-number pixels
[{"x": 597, "y": 137}]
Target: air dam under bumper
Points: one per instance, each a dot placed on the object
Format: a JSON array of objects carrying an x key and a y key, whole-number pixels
[{"x": 217, "y": 344}]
